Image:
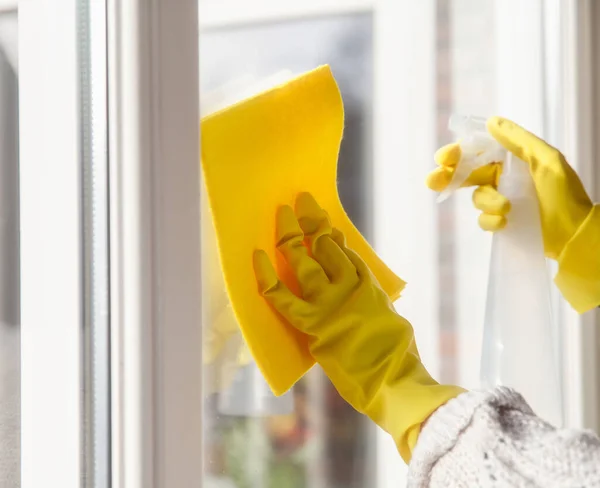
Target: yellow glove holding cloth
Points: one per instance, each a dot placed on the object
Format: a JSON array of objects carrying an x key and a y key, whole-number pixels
[
  {"x": 256, "y": 156},
  {"x": 365, "y": 348}
]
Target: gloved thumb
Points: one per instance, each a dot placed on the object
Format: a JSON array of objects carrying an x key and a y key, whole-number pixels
[
  {"x": 271, "y": 287},
  {"x": 522, "y": 143}
]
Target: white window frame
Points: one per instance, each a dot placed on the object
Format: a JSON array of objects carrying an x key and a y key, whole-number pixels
[
  {"x": 8, "y": 6},
  {"x": 51, "y": 261},
  {"x": 579, "y": 44},
  {"x": 155, "y": 291},
  {"x": 154, "y": 165},
  {"x": 406, "y": 240},
  {"x": 215, "y": 14}
]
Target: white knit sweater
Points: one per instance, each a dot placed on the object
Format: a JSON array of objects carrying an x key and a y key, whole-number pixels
[{"x": 494, "y": 440}]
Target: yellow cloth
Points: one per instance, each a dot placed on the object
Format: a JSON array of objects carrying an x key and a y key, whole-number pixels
[
  {"x": 570, "y": 221},
  {"x": 256, "y": 156},
  {"x": 218, "y": 318},
  {"x": 223, "y": 348},
  {"x": 367, "y": 349}
]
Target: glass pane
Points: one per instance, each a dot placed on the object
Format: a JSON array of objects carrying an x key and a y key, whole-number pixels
[
  {"x": 324, "y": 443},
  {"x": 466, "y": 85},
  {"x": 467, "y": 82},
  {"x": 311, "y": 438},
  {"x": 10, "y": 397}
]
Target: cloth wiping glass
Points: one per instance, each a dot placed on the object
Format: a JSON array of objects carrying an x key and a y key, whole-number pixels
[{"x": 258, "y": 155}]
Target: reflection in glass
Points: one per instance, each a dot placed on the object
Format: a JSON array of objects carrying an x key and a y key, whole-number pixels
[{"x": 310, "y": 437}]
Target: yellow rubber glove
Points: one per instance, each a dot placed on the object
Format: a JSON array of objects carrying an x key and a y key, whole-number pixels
[
  {"x": 366, "y": 348},
  {"x": 570, "y": 221},
  {"x": 257, "y": 155}
]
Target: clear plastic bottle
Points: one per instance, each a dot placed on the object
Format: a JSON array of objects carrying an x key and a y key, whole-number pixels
[{"x": 518, "y": 342}]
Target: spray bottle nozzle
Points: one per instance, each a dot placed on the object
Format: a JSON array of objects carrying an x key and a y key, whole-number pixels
[
  {"x": 464, "y": 125},
  {"x": 478, "y": 148}
]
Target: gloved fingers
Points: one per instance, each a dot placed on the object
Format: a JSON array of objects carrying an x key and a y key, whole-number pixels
[
  {"x": 439, "y": 178},
  {"x": 361, "y": 268},
  {"x": 494, "y": 207},
  {"x": 489, "y": 200},
  {"x": 448, "y": 157},
  {"x": 485, "y": 175},
  {"x": 339, "y": 238},
  {"x": 317, "y": 229},
  {"x": 324, "y": 249},
  {"x": 290, "y": 242},
  {"x": 492, "y": 223},
  {"x": 522, "y": 143},
  {"x": 334, "y": 260},
  {"x": 364, "y": 272},
  {"x": 313, "y": 220},
  {"x": 266, "y": 276},
  {"x": 307, "y": 208},
  {"x": 273, "y": 289}
]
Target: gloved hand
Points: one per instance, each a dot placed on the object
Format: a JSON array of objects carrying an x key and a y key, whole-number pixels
[
  {"x": 366, "y": 348},
  {"x": 570, "y": 221}
]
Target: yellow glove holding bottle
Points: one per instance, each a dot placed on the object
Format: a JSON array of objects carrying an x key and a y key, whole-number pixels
[
  {"x": 366, "y": 348},
  {"x": 570, "y": 220}
]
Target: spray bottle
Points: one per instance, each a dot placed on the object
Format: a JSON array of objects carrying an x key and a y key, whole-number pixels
[{"x": 517, "y": 341}]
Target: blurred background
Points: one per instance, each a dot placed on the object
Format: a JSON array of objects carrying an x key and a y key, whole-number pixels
[{"x": 320, "y": 441}]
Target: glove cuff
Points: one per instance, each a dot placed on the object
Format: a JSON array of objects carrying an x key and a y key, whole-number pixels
[
  {"x": 578, "y": 276},
  {"x": 408, "y": 407}
]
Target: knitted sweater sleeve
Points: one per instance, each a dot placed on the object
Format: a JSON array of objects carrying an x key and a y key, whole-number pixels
[{"x": 494, "y": 440}]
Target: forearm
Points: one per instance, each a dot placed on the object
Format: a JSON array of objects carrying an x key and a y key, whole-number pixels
[{"x": 483, "y": 439}]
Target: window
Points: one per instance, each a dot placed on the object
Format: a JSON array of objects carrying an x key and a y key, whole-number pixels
[
  {"x": 319, "y": 440},
  {"x": 63, "y": 176},
  {"x": 102, "y": 304}
]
